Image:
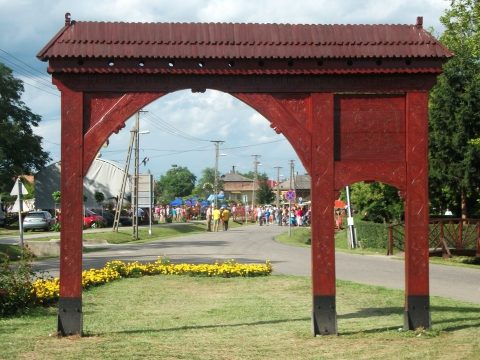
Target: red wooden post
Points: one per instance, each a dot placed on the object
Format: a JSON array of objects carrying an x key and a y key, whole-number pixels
[
  {"x": 417, "y": 302},
  {"x": 70, "y": 302},
  {"x": 323, "y": 198}
]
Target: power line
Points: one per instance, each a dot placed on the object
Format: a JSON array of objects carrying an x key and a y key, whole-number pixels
[
  {"x": 29, "y": 73},
  {"x": 159, "y": 123}
]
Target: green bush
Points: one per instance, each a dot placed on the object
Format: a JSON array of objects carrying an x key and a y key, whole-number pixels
[
  {"x": 372, "y": 235},
  {"x": 56, "y": 227},
  {"x": 16, "y": 285}
]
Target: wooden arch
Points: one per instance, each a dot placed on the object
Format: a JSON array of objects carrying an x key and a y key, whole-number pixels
[{"x": 352, "y": 109}]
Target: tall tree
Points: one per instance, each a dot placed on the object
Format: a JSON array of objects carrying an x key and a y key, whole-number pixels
[
  {"x": 376, "y": 201},
  {"x": 455, "y": 114},
  {"x": 265, "y": 195},
  {"x": 20, "y": 150},
  {"x": 177, "y": 182}
]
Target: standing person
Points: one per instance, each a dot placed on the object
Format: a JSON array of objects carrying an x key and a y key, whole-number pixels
[
  {"x": 216, "y": 218},
  {"x": 234, "y": 212},
  {"x": 209, "y": 218},
  {"x": 225, "y": 218},
  {"x": 246, "y": 212}
]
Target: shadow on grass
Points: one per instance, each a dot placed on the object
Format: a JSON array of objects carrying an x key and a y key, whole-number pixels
[
  {"x": 200, "y": 327},
  {"x": 449, "y": 318}
]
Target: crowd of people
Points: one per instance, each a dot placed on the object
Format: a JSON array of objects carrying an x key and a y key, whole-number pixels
[
  {"x": 296, "y": 215},
  {"x": 218, "y": 216}
]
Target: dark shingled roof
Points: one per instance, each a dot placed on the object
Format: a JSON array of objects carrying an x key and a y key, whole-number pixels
[{"x": 86, "y": 39}]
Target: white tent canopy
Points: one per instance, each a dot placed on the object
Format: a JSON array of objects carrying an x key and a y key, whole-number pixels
[{"x": 103, "y": 176}]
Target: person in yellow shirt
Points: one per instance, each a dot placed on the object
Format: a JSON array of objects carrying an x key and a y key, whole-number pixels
[
  {"x": 216, "y": 218},
  {"x": 225, "y": 218}
]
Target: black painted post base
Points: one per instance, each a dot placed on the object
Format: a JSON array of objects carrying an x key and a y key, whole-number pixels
[
  {"x": 417, "y": 312},
  {"x": 324, "y": 317},
  {"x": 70, "y": 316}
]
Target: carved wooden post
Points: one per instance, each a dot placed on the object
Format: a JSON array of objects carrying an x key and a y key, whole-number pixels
[
  {"x": 70, "y": 302},
  {"x": 417, "y": 302},
  {"x": 323, "y": 198}
]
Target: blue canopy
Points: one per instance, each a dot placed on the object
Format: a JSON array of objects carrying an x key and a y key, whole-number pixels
[{"x": 176, "y": 202}]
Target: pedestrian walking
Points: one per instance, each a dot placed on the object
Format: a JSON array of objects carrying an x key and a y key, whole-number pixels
[
  {"x": 209, "y": 218},
  {"x": 216, "y": 218},
  {"x": 225, "y": 218}
]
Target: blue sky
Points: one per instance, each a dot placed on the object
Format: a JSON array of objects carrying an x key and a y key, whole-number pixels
[{"x": 182, "y": 124}]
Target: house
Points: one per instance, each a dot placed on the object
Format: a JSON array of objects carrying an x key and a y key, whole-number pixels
[
  {"x": 301, "y": 184},
  {"x": 238, "y": 188}
]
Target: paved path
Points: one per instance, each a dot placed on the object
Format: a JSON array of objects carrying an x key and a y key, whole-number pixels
[{"x": 256, "y": 244}]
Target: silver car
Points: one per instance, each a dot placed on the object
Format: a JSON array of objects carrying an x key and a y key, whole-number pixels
[{"x": 41, "y": 220}]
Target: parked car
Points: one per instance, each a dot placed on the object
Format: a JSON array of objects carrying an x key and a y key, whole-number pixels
[
  {"x": 93, "y": 220},
  {"x": 107, "y": 215},
  {"x": 41, "y": 220},
  {"x": 90, "y": 219}
]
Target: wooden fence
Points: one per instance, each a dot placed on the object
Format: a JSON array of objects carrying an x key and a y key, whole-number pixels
[{"x": 446, "y": 236}]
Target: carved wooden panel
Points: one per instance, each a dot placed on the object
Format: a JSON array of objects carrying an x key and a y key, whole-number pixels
[
  {"x": 369, "y": 127},
  {"x": 389, "y": 172},
  {"x": 287, "y": 114},
  {"x": 106, "y": 113}
]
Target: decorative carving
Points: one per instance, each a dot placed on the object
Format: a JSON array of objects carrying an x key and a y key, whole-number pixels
[
  {"x": 369, "y": 127},
  {"x": 106, "y": 113},
  {"x": 280, "y": 111},
  {"x": 349, "y": 172}
]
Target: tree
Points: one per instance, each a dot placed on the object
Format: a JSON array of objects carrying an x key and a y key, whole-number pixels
[
  {"x": 20, "y": 150},
  {"x": 206, "y": 183},
  {"x": 455, "y": 114},
  {"x": 265, "y": 195},
  {"x": 376, "y": 202},
  {"x": 177, "y": 182},
  {"x": 260, "y": 176}
]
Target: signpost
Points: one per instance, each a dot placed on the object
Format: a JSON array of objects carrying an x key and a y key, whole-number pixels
[
  {"x": 145, "y": 196},
  {"x": 290, "y": 196},
  {"x": 18, "y": 191}
]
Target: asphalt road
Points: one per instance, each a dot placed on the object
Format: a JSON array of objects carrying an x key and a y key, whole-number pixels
[{"x": 256, "y": 244}]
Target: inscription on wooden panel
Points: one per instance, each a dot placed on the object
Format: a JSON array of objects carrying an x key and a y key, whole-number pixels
[{"x": 369, "y": 127}]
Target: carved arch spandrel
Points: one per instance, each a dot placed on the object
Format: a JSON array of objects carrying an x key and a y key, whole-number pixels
[
  {"x": 288, "y": 115},
  {"x": 349, "y": 172},
  {"x": 106, "y": 113}
]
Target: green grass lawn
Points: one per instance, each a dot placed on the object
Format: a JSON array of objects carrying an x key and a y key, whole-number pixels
[
  {"x": 180, "y": 317},
  {"x": 301, "y": 237},
  {"x": 124, "y": 234}
]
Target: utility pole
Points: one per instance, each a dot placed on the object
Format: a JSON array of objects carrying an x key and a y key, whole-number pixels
[
  {"x": 215, "y": 180},
  {"x": 255, "y": 178},
  {"x": 278, "y": 186},
  {"x": 292, "y": 187},
  {"x": 136, "y": 175},
  {"x": 292, "y": 175},
  {"x": 118, "y": 207}
]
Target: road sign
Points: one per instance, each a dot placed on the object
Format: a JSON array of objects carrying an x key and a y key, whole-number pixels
[
  {"x": 290, "y": 195},
  {"x": 15, "y": 189}
]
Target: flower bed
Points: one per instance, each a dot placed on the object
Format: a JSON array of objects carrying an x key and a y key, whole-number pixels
[{"x": 47, "y": 291}]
